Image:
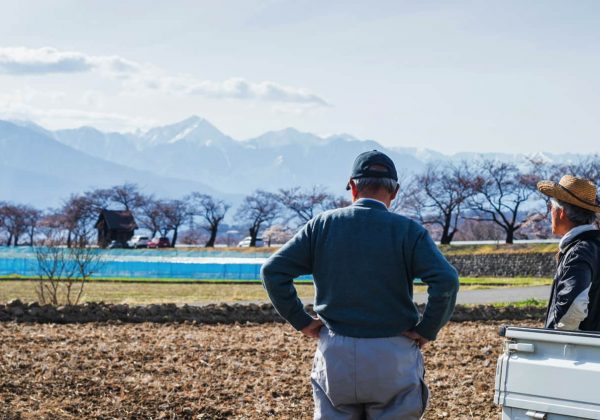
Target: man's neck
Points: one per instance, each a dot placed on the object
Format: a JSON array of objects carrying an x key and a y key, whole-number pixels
[{"x": 375, "y": 198}]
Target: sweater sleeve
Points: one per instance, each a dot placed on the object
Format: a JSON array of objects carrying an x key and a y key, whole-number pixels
[
  {"x": 278, "y": 274},
  {"x": 442, "y": 285}
]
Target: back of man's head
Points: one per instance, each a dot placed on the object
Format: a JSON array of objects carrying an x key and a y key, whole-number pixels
[
  {"x": 373, "y": 185},
  {"x": 374, "y": 172}
]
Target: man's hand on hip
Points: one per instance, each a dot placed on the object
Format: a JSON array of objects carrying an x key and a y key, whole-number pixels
[
  {"x": 419, "y": 339},
  {"x": 312, "y": 329}
]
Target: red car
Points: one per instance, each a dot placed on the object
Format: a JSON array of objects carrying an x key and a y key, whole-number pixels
[{"x": 162, "y": 242}]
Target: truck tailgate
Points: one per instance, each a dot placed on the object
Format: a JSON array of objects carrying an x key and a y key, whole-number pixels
[{"x": 548, "y": 374}]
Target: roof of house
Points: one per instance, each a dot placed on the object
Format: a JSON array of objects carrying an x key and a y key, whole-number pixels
[{"x": 117, "y": 219}]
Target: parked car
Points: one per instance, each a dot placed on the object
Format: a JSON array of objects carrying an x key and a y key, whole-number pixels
[
  {"x": 138, "y": 241},
  {"x": 245, "y": 243},
  {"x": 162, "y": 242},
  {"x": 117, "y": 244}
]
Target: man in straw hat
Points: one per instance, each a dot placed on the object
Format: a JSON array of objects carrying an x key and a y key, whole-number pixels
[
  {"x": 575, "y": 297},
  {"x": 363, "y": 259}
]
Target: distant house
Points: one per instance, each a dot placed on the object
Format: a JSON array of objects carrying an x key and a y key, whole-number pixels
[{"x": 115, "y": 225}]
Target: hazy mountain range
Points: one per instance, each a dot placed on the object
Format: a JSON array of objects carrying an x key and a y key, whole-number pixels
[{"x": 42, "y": 167}]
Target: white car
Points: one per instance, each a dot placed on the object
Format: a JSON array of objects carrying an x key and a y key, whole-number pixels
[
  {"x": 139, "y": 241},
  {"x": 245, "y": 243}
]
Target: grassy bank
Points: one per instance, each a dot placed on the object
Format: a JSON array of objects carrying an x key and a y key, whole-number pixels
[
  {"x": 144, "y": 293},
  {"x": 176, "y": 292},
  {"x": 498, "y": 249}
]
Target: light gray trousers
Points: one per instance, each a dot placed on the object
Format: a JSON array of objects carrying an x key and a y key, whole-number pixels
[{"x": 368, "y": 378}]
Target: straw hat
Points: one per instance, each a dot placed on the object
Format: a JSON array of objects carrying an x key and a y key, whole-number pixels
[{"x": 570, "y": 189}]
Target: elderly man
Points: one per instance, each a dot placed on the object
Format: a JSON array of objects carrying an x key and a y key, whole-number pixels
[
  {"x": 575, "y": 297},
  {"x": 363, "y": 259}
]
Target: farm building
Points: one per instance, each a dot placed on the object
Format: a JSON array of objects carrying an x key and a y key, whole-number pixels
[{"x": 115, "y": 225}]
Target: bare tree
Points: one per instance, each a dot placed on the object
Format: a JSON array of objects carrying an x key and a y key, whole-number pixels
[
  {"x": 436, "y": 197},
  {"x": 98, "y": 199},
  {"x": 129, "y": 196},
  {"x": 51, "y": 227},
  {"x": 12, "y": 222},
  {"x": 337, "y": 203},
  {"x": 258, "y": 209},
  {"x": 212, "y": 212},
  {"x": 305, "y": 204},
  {"x": 31, "y": 217},
  {"x": 539, "y": 169},
  {"x": 176, "y": 212},
  {"x": 588, "y": 168},
  {"x": 79, "y": 212},
  {"x": 18, "y": 220},
  {"x": 63, "y": 272},
  {"x": 501, "y": 193},
  {"x": 151, "y": 216}
]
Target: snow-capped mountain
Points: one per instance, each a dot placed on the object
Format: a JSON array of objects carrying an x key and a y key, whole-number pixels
[
  {"x": 192, "y": 130},
  {"x": 194, "y": 149},
  {"x": 39, "y": 170},
  {"x": 42, "y": 166}
]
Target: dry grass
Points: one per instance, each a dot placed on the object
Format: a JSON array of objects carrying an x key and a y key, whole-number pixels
[
  {"x": 498, "y": 249},
  {"x": 197, "y": 293},
  {"x": 145, "y": 293}
]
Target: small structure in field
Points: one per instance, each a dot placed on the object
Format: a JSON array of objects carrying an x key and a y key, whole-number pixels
[{"x": 115, "y": 225}]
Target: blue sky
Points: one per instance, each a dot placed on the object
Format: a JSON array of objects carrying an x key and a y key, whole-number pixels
[{"x": 479, "y": 76}]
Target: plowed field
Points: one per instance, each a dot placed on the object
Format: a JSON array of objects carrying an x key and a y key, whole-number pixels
[{"x": 209, "y": 371}]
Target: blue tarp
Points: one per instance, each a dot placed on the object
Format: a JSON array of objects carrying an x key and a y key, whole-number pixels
[{"x": 151, "y": 264}]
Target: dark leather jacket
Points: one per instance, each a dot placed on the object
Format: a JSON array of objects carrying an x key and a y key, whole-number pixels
[{"x": 578, "y": 268}]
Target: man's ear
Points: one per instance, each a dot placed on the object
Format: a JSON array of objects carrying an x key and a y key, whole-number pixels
[
  {"x": 562, "y": 214},
  {"x": 353, "y": 188},
  {"x": 395, "y": 193}
]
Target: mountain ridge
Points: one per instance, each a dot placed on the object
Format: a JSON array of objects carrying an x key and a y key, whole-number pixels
[{"x": 194, "y": 155}]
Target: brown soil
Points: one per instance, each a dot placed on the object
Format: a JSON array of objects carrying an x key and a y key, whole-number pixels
[{"x": 209, "y": 371}]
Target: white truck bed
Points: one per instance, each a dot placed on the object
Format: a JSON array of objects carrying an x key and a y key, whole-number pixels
[{"x": 548, "y": 374}]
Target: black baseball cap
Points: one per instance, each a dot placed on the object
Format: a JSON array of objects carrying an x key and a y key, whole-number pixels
[{"x": 364, "y": 162}]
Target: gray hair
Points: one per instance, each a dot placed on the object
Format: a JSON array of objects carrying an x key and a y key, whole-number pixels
[
  {"x": 577, "y": 215},
  {"x": 374, "y": 184}
]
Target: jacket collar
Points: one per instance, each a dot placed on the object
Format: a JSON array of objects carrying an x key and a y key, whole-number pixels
[
  {"x": 370, "y": 203},
  {"x": 574, "y": 234}
]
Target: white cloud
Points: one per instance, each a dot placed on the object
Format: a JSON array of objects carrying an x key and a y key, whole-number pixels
[
  {"x": 27, "y": 61},
  {"x": 41, "y": 61},
  {"x": 23, "y": 61},
  {"x": 239, "y": 88}
]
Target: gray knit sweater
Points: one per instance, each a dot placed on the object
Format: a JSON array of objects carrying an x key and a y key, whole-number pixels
[{"x": 363, "y": 259}]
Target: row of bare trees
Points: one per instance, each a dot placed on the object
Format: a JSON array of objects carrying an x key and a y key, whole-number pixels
[
  {"x": 73, "y": 222},
  {"x": 161, "y": 217},
  {"x": 466, "y": 200},
  {"x": 448, "y": 197}
]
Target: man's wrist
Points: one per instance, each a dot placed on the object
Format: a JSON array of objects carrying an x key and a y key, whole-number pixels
[
  {"x": 300, "y": 320},
  {"x": 426, "y": 333}
]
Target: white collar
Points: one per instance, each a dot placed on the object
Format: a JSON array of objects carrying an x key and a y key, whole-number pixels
[{"x": 570, "y": 235}]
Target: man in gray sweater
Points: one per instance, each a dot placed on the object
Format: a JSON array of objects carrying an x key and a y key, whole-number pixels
[{"x": 364, "y": 259}]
